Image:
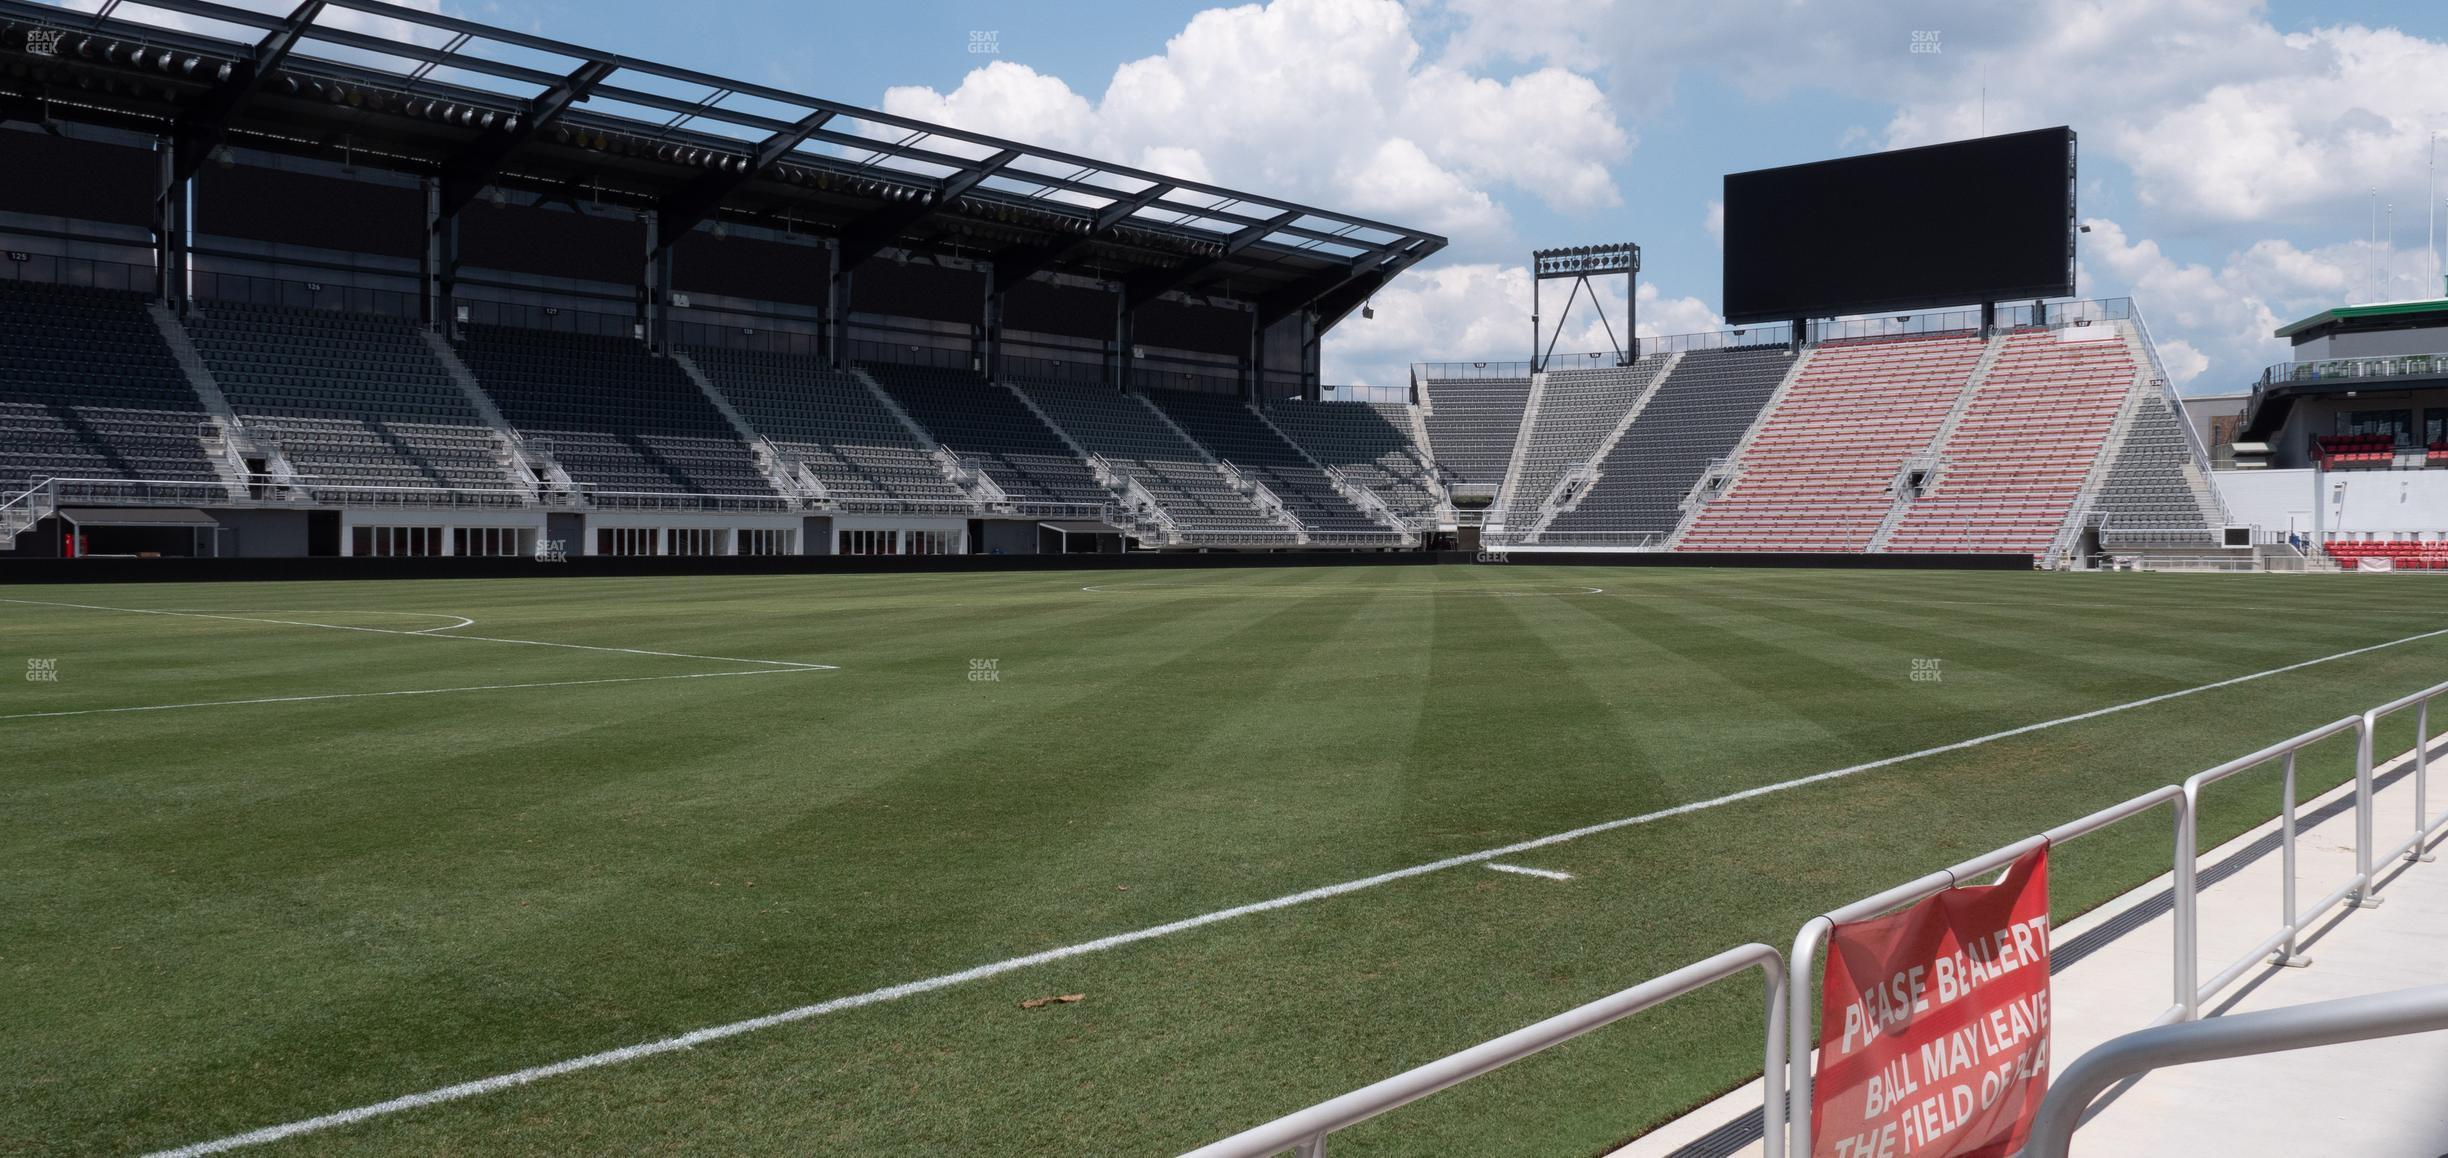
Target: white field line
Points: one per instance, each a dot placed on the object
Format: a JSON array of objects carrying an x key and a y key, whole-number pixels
[
  {"x": 430, "y": 633},
  {"x": 703, "y": 675},
  {"x": 699, "y": 1037},
  {"x": 1231, "y": 592},
  {"x": 1550, "y": 874}
]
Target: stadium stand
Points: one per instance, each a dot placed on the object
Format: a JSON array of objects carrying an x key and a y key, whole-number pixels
[
  {"x": 834, "y": 425},
  {"x": 89, "y": 390},
  {"x": 2355, "y": 451},
  {"x": 349, "y": 401},
  {"x": 2401, "y": 556},
  {"x": 1370, "y": 442},
  {"x": 1575, "y": 412},
  {"x": 2154, "y": 493},
  {"x": 972, "y": 417},
  {"x": 2012, "y": 467},
  {"x": 1818, "y": 472},
  {"x": 1241, "y": 438},
  {"x": 618, "y": 419},
  {"x": 1694, "y": 418},
  {"x": 1135, "y": 441},
  {"x": 1472, "y": 425}
]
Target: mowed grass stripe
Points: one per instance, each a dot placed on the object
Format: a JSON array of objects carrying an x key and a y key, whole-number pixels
[{"x": 670, "y": 950}]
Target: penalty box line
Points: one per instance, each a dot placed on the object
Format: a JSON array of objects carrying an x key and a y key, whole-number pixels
[{"x": 889, "y": 993}]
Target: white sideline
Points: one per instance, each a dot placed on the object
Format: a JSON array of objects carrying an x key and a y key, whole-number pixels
[
  {"x": 427, "y": 633},
  {"x": 703, "y": 675},
  {"x": 1550, "y": 874},
  {"x": 699, "y": 1037}
]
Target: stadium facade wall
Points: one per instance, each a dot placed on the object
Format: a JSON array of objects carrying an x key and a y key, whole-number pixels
[{"x": 2374, "y": 501}]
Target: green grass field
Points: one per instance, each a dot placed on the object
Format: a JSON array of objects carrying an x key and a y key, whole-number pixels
[{"x": 220, "y": 918}]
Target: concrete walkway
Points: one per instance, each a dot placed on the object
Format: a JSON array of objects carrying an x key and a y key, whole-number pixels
[{"x": 2112, "y": 973}]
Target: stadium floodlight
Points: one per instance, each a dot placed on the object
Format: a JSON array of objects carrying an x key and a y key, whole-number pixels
[{"x": 1581, "y": 263}]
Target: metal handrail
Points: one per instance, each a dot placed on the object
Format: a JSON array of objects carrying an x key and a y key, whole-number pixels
[
  {"x": 2378, "y": 1015},
  {"x": 1814, "y": 933},
  {"x": 2425, "y": 826},
  {"x": 2279, "y": 947},
  {"x": 1304, "y": 1132}
]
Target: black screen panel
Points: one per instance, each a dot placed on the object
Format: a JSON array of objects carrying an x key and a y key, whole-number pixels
[
  {"x": 87, "y": 180},
  {"x": 277, "y": 205},
  {"x": 751, "y": 267},
  {"x": 1955, "y": 224}
]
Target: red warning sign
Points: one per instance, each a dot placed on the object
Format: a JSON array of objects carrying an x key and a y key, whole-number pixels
[{"x": 1934, "y": 1034}]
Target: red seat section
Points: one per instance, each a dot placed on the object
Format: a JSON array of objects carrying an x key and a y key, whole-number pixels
[
  {"x": 2429, "y": 556},
  {"x": 2014, "y": 464},
  {"x": 2355, "y": 451},
  {"x": 1815, "y": 475}
]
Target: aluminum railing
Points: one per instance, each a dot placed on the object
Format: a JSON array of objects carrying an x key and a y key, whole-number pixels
[
  {"x": 1304, "y": 1132},
  {"x": 1815, "y": 932},
  {"x": 2293, "y": 1027},
  {"x": 1786, "y": 1114},
  {"x": 2279, "y": 947},
  {"x": 2425, "y": 825}
]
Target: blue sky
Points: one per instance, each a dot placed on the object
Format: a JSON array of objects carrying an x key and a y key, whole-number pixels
[{"x": 2228, "y": 147}]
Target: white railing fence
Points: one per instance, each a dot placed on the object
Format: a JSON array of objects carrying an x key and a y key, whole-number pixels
[
  {"x": 2293, "y": 1027},
  {"x": 1788, "y": 1043},
  {"x": 1304, "y": 1133}
]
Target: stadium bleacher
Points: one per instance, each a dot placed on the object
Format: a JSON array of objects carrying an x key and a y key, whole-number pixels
[
  {"x": 1237, "y": 434},
  {"x": 973, "y": 417},
  {"x": 1472, "y": 425},
  {"x": 834, "y": 425},
  {"x": 2402, "y": 555},
  {"x": 2152, "y": 485},
  {"x": 617, "y": 418},
  {"x": 2355, "y": 451},
  {"x": 1370, "y": 442},
  {"x": 1817, "y": 474},
  {"x": 1135, "y": 441},
  {"x": 2013, "y": 466},
  {"x": 89, "y": 390},
  {"x": 1577, "y": 409},
  {"x": 1695, "y": 417},
  {"x": 350, "y": 401}
]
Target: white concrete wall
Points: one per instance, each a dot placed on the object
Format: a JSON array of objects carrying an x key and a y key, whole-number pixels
[{"x": 2388, "y": 501}]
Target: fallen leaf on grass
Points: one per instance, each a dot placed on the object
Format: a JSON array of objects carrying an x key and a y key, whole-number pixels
[{"x": 1060, "y": 998}]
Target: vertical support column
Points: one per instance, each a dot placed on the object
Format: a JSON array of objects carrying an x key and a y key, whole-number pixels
[
  {"x": 837, "y": 308},
  {"x": 1537, "y": 335},
  {"x": 446, "y": 241},
  {"x": 170, "y": 230},
  {"x": 1257, "y": 361},
  {"x": 990, "y": 331},
  {"x": 1631, "y": 313},
  {"x": 656, "y": 300},
  {"x": 1124, "y": 369},
  {"x": 429, "y": 259}
]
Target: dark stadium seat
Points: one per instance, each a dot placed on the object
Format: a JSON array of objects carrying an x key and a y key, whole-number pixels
[
  {"x": 1472, "y": 425},
  {"x": 1696, "y": 416},
  {"x": 1576, "y": 410},
  {"x": 1134, "y": 441},
  {"x": 834, "y": 425},
  {"x": 1235, "y": 433},
  {"x": 617, "y": 418},
  {"x": 89, "y": 390},
  {"x": 1370, "y": 442},
  {"x": 350, "y": 401},
  {"x": 989, "y": 424}
]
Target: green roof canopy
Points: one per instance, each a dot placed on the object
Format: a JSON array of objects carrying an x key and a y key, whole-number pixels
[{"x": 2377, "y": 312}]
